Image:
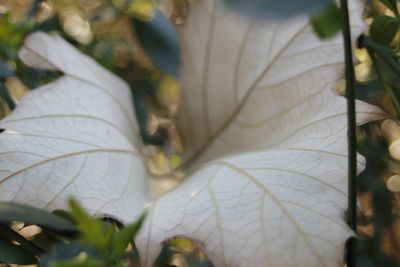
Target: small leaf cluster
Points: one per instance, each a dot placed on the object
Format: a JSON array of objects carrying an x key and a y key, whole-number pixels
[
  {"x": 384, "y": 27},
  {"x": 328, "y": 22},
  {"x": 78, "y": 239}
]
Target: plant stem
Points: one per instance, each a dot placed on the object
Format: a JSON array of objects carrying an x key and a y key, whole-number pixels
[
  {"x": 351, "y": 117},
  {"x": 6, "y": 96},
  {"x": 351, "y": 128},
  {"x": 34, "y": 8}
]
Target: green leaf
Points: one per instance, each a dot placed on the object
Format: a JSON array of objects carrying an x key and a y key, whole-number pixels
[
  {"x": 158, "y": 38},
  {"x": 52, "y": 24},
  {"x": 383, "y": 29},
  {"x": 392, "y": 5},
  {"x": 34, "y": 78},
  {"x": 93, "y": 232},
  {"x": 5, "y": 70},
  {"x": 10, "y": 211},
  {"x": 64, "y": 214},
  {"x": 383, "y": 51},
  {"x": 11, "y": 35},
  {"x": 272, "y": 9},
  {"x": 327, "y": 23},
  {"x": 64, "y": 252},
  {"x": 125, "y": 236},
  {"x": 8, "y": 235},
  {"x": 369, "y": 91},
  {"x": 13, "y": 254},
  {"x": 4, "y": 238},
  {"x": 80, "y": 261},
  {"x": 388, "y": 79}
]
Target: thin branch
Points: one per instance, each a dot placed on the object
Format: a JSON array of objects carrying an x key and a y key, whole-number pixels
[
  {"x": 351, "y": 120},
  {"x": 34, "y": 8}
]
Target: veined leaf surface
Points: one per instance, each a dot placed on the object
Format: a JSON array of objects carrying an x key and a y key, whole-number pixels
[
  {"x": 261, "y": 92},
  {"x": 254, "y": 85},
  {"x": 76, "y": 136}
]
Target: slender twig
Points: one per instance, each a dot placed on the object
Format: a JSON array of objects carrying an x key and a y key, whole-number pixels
[
  {"x": 6, "y": 96},
  {"x": 34, "y": 8},
  {"x": 351, "y": 117},
  {"x": 351, "y": 120}
]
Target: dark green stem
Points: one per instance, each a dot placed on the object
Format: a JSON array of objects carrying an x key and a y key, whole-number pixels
[
  {"x": 351, "y": 120},
  {"x": 6, "y": 96},
  {"x": 351, "y": 117},
  {"x": 34, "y": 8}
]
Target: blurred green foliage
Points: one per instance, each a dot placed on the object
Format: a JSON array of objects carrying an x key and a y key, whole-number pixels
[
  {"x": 384, "y": 28},
  {"x": 327, "y": 23},
  {"x": 159, "y": 40},
  {"x": 96, "y": 242}
]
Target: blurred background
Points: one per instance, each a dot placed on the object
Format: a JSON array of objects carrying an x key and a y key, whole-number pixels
[{"x": 109, "y": 32}]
